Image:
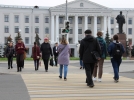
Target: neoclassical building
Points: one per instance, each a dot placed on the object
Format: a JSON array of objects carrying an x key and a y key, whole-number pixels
[{"x": 48, "y": 21}]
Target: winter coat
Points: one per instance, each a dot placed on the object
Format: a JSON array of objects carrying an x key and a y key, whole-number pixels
[
  {"x": 9, "y": 51},
  {"x": 88, "y": 45},
  {"x": 64, "y": 51},
  {"x": 104, "y": 52},
  {"x": 35, "y": 52},
  {"x": 18, "y": 49},
  {"x": 46, "y": 50},
  {"x": 111, "y": 48}
]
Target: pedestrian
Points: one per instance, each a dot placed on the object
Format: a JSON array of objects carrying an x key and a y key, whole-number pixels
[
  {"x": 46, "y": 52},
  {"x": 55, "y": 52},
  {"x": 78, "y": 51},
  {"x": 9, "y": 54},
  {"x": 116, "y": 50},
  {"x": 99, "y": 64},
  {"x": 20, "y": 49},
  {"x": 63, "y": 58},
  {"x": 89, "y": 45},
  {"x": 36, "y": 55}
]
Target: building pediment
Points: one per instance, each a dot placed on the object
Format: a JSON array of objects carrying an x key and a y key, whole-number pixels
[{"x": 83, "y": 4}]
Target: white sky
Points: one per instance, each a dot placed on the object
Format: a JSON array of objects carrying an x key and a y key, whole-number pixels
[{"x": 51, "y": 3}]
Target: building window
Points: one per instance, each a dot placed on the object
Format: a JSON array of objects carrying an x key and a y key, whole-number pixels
[
  {"x": 129, "y": 31},
  {"x": 98, "y": 20},
  {"x": 36, "y": 29},
  {"x": 112, "y": 31},
  {"x": 79, "y": 31},
  {"x": 130, "y": 21},
  {"x": 6, "y": 18},
  {"x": 81, "y": 5},
  {"x": 6, "y": 29},
  {"x": 71, "y": 31},
  {"x": 71, "y": 20},
  {"x": 26, "y": 29},
  {"x": 47, "y": 30},
  {"x": 89, "y": 20},
  {"x": 60, "y": 20},
  {"x": 70, "y": 40},
  {"x": 26, "y": 40},
  {"x": 112, "y": 20},
  {"x": 36, "y": 19},
  {"x": 6, "y": 39},
  {"x": 16, "y": 18},
  {"x": 79, "y": 20},
  {"x": 16, "y": 29},
  {"x": 46, "y": 20},
  {"x": 27, "y": 19}
]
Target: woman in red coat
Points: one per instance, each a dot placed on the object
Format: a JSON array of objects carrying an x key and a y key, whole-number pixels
[{"x": 36, "y": 55}]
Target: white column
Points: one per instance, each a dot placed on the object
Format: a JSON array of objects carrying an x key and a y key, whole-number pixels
[
  {"x": 2, "y": 38},
  {"x": 76, "y": 30},
  {"x": 95, "y": 26},
  {"x": 105, "y": 26},
  {"x": 109, "y": 26},
  {"x": 41, "y": 28},
  {"x": 52, "y": 29},
  {"x": 22, "y": 27},
  {"x": 85, "y": 23},
  {"x": 11, "y": 27},
  {"x": 57, "y": 28}
]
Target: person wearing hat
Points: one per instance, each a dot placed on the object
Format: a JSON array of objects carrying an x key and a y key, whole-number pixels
[
  {"x": 88, "y": 45},
  {"x": 46, "y": 52},
  {"x": 20, "y": 49}
]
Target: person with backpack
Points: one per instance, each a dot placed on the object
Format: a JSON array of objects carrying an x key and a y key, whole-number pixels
[
  {"x": 116, "y": 50},
  {"x": 99, "y": 64},
  {"x": 90, "y": 52},
  {"x": 9, "y": 54}
]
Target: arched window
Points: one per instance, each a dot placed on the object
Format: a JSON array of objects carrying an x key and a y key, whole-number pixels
[{"x": 81, "y": 4}]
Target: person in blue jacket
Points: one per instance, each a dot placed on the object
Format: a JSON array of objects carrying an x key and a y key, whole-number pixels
[{"x": 116, "y": 50}]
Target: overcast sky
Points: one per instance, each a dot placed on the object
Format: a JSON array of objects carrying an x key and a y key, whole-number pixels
[{"x": 51, "y": 3}]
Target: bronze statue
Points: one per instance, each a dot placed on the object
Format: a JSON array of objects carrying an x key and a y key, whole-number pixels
[{"x": 120, "y": 20}]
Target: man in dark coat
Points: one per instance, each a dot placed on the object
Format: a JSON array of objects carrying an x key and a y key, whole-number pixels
[
  {"x": 55, "y": 52},
  {"x": 88, "y": 45}
]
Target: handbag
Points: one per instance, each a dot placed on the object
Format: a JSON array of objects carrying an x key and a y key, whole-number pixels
[
  {"x": 24, "y": 55},
  {"x": 51, "y": 62},
  {"x": 95, "y": 55}
]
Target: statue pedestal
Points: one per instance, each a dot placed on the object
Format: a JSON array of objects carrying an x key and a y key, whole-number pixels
[{"x": 122, "y": 39}]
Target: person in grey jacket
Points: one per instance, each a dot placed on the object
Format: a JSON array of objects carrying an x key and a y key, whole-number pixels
[
  {"x": 9, "y": 54},
  {"x": 63, "y": 58}
]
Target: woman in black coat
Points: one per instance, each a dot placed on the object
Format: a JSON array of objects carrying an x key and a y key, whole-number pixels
[
  {"x": 9, "y": 54},
  {"x": 46, "y": 52}
]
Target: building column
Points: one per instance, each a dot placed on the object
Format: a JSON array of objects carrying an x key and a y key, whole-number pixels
[
  {"x": 76, "y": 30},
  {"x": 41, "y": 29},
  {"x": 21, "y": 27},
  {"x": 52, "y": 29},
  {"x": 109, "y": 26},
  {"x": 57, "y": 28},
  {"x": 85, "y": 24},
  {"x": 105, "y": 26},
  {"x": 95, "y": 26}
]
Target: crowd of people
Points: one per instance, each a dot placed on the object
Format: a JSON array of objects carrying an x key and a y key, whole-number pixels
[{"x": 92, "y": 53}]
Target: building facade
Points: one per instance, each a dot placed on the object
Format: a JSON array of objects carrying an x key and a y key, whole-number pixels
[{"x": 82, "y": 14}]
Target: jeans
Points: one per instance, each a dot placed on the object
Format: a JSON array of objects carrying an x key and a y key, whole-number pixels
[
  {"x": 65, "y": 70},
  {"x": 10, "y": 60},
  {"x": 36, "y": 64},
  {"x": 116, "y": 65},
  {"x": 81, "y": 63}
]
